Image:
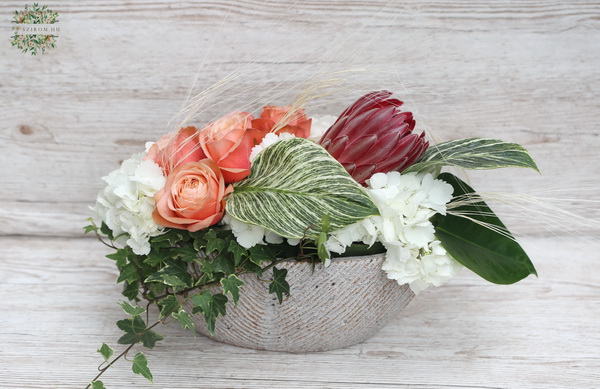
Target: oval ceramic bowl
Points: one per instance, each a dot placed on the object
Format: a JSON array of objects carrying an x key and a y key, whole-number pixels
[{"x": 330, "y": 308}]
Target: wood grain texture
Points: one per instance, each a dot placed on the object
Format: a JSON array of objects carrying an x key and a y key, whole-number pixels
[
  {"x": 523, "y": 71},
  {"x": 59, "y": 302}
]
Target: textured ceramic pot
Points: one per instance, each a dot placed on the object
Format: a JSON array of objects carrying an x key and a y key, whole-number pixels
[{"x": 330, "y": 308}]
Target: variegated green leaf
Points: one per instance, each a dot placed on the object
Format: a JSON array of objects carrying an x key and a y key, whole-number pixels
[
  {"x": 293, "y": 184},
  {"x": 474, "y": 153}
]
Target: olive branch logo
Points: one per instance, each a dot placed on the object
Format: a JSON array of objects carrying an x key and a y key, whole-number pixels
[{"x": 31, "y": 38}]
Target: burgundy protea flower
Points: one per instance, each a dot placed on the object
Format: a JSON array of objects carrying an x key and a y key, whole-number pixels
[{"x": 373, "y": 135}]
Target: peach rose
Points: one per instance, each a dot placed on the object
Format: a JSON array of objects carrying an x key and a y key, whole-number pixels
[
  {"x": 171, "y": 150},
  {"x": 229, "y": 142},
  {"x": 273, "y": 119},
  {"x": 193, "y": 197}
]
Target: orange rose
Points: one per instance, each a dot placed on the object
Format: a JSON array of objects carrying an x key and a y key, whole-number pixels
[
  {"x": 173, "y": 150},
  {"x": 273, "y": 119},
  {"x": 229, "y": 142},
  {"x": 193, "y": 197}
]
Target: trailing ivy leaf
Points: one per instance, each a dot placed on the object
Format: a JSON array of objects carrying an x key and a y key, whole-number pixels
[
  {"x": 131, "y": 310},
  {"x": 140, "y": 366},
  {"x": 129, "y": 274},
  {"x": 279, "y": 285},
  {"x": 167, "y": 306},
  {"x": 172, "y": 236},
  {"x": 232, "y": 286},
  {"x": 106, "y": 351},
  {"x": 260, "y": 254},
  {"x": 131, "y": 291},
  {"x": 186, "y": 253},
  {"x": 173, "y": 274},
  {"x": 89, "y": 228},
  {"x": 120, "y": 256},
  {"x": 237, "y": 251},
  {"x": 214, "y": 242},
  {"x": 211, "y": 306},
  {"x": 493, "y": 255},
  {"x": 474, "y": 153},
  {"x": 184, "y": 319},
  {"x": 223, "y": 264},
  {"x": 106, "y": 231},
  {"x": 98, "y": 385},
  {"x": 134, "y": 325},
  {"x": 292, "y": 185},
  {"x": 149, "y": 338}
]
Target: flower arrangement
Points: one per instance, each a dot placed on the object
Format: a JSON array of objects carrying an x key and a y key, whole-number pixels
[{"x": 243, "y": 194}]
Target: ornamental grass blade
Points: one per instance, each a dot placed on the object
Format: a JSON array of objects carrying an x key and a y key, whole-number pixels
[
  {"x": 293, "y": 184},
  {"x": 474, "y": 153}
]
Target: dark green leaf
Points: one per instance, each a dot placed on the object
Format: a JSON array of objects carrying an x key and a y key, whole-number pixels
[
  {"x": 129, "y": 338},
  {"x": 173, "y": 274},
  {"x": 128, "y": 274},
  {"x": 493, "y": 255},
  {"x": 131, "y": 291},
  {"x": 120, "y": 256},
  {"x": 223, "y": 264},
  {"x": 106, "y": 351},
  {"x": 167, "y": 306},
  {"x": 134, "y": 325},
  {"x": 149, "y": 338},
  {"x": 232, "y": 286},
  {"x": 237, "y": 251},
  {"x": 140, "y": 366},
  {"x": 184, "y": 319},
  {"x": 106, "y": 231},
  {"x": 202, "y": 301},
  {"x": 211, "y": 306},
  {"x": 214, "y": 243},
  {"x": 260, "y": 254},
  {"x": 131, "y": 310},
  {"x": 279, "y": 285}
]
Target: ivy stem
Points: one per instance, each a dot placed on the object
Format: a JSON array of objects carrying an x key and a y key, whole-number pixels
[{"x": 123, "y": 354}]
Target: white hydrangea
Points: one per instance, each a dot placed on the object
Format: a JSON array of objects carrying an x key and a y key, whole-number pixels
[
  {"x": 406, "y": 203},
  {"x": 126, "y": 204},
  {"x": 319, "y": 125},
  {"x": 249, "y": 235},
  {"x": 268, "y": 140}
]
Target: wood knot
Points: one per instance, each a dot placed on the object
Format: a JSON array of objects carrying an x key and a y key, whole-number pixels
[{"x": 25, "y": 129}]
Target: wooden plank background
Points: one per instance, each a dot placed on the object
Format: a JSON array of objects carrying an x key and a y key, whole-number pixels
[{"x": 523, "y": 71}]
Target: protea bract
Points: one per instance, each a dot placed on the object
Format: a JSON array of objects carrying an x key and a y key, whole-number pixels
[{"x": 373, "y": 135}]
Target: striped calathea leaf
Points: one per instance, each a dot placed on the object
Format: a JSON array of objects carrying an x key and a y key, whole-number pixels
[
  {"x": 474, "y": 153},
  {"x": 293, "y": 184}
]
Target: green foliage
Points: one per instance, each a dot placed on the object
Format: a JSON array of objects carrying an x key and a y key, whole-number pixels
[
  {"x": 167, "y": 306},
  {"x": 481, "y": 241},
  {"x": 98, "y": 385},
  {"x": 474, "y": 153},
  {"x": 211, "y": 306},
  {"x": 232, "y": 285},
  {"x": 279, "y": 285},
  {"x": 105, "y": 351},
  {"x": 184, "y": 319},
  {"x": 140, "y": 366},
  {"x": 136, "y": 331},
  {"x": 296, "y": 182},
  {"x": 130, "y": 309}
]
